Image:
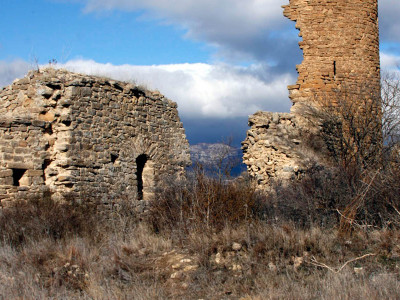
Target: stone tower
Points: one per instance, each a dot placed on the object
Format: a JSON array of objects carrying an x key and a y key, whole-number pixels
[
  {"x": 340, "y": 47},
  {"x": 340, "y": 43}
]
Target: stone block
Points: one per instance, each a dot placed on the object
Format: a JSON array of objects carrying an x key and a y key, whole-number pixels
[
  {"x": 19, "y": 165},
  {"x": 5, "y": 173},
  {"x": 33, "y": 173},
  {"x": 8, "y": 181},
  {"x": 47, "y": 116}
]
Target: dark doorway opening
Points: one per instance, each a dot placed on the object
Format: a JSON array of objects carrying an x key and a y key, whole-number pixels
[
  {"x": 17, "y": 175},
  {"x": 140, "y": 163}
]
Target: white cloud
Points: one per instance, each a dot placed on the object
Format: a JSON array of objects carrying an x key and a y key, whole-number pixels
[
  {"x": 221, "y": 93},
  {"x": 389, "y": 62},
  {"x": 252, "y": 29},
  {"x": 389, "y": 21},
  {"x": 203, "y": 90},
  {"x": 9, "y": 71},
  {"x": 233, "y": 17}
]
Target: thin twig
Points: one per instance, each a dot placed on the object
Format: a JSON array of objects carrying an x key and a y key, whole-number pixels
[
  {"x": 353, "y": 221},
  {"x": 343, "y": 216},
  {"x": 369, "y": 186},
  {"x": 394, "y": 207},
  {"x": 318, "y": 264}
]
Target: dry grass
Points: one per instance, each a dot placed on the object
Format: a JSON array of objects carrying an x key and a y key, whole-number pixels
[
  {"x": 203, "y": 203},
  {"x": 65, "y": 251}
]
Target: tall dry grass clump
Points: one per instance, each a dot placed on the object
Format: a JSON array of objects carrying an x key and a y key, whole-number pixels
[
  {"x": 41, "y": 217},
  {"x": 203, "y": 203}
]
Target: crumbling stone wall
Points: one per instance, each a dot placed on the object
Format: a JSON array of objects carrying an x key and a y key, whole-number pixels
[
  {"x": 82, "y": 135},
  {"x": 275, "y": 155},
  {"x": 340, "y": 48},
  {"x": 340, "y": 52}
]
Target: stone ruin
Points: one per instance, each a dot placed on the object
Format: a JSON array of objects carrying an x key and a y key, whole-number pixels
[
  {"x": 73, "y": 134},
  {"x": 340, "y": 43}
]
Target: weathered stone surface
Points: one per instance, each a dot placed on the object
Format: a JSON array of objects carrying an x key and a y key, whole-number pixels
[
  {"x": 340, "y": 53},
  {"x": 340, "y": 48},
  {"x": 273, "y": 148},
  {"x": 79, "y": 134}
]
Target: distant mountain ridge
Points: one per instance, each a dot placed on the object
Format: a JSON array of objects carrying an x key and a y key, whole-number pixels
[
  {"x": 211, "y": 153},
  {"x": 214, "y": 156}
]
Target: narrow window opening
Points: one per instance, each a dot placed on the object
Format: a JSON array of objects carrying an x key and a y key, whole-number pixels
[
  {"x": 140, "y": 163},
  {"x": 45, "y": 165},
  {"x": 114, "y": 157},
  {"x": 17, "y": 175},
  {"x": 48, "y": 129},
  {"x": 334, "y": 69}
]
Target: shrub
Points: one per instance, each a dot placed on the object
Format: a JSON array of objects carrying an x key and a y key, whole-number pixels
[
  {"x": 203, "y": 203},
  {"x": 330, "y": 197},
  {"x": 42, "y": 217}
]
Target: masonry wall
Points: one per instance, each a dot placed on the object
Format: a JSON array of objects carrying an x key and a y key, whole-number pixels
[
  {"x": 83, "y": 135},
  {"x": 340, "y": 43},
  {"x": 276, "y": 155}
]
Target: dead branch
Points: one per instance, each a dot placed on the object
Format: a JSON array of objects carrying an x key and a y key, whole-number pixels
[{"x": 337, "y": 270}]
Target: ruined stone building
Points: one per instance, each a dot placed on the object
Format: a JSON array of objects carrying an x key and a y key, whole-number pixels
[
  {"x": 82, "y": 135},
  {"x": 340, "y": 43}
]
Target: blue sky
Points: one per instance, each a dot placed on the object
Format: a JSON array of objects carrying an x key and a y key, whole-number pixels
[
  {"x": 50, "y": 29},
  {"x": 219, "y": 60}
]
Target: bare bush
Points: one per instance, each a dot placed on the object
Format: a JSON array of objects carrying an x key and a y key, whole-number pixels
[
  {"x": 203, "y": 203},
  {"x": 331, "y": 197},
  {"x": 391, "y": 109},
  {"x": 350, "y": 126},
  {"x": 359, "y": 129},
  {"x": 42, "y": 217}
]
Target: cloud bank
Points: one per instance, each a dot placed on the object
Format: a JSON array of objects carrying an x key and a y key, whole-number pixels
[
  {"x": 12, "y": 70},
  {"x": 390, "y": 62},
  {"x": 389, "y": 21},
  {"x": 254, "y": 29},
  {"x": 203, "y": 90}
]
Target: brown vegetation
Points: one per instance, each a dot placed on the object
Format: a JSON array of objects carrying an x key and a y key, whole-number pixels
[{"x": 202, "y": 238}]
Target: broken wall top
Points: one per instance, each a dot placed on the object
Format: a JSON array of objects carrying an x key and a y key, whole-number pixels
[
  {"x": 31, "y": 97},
  {"x": 75, "y": 133}
]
